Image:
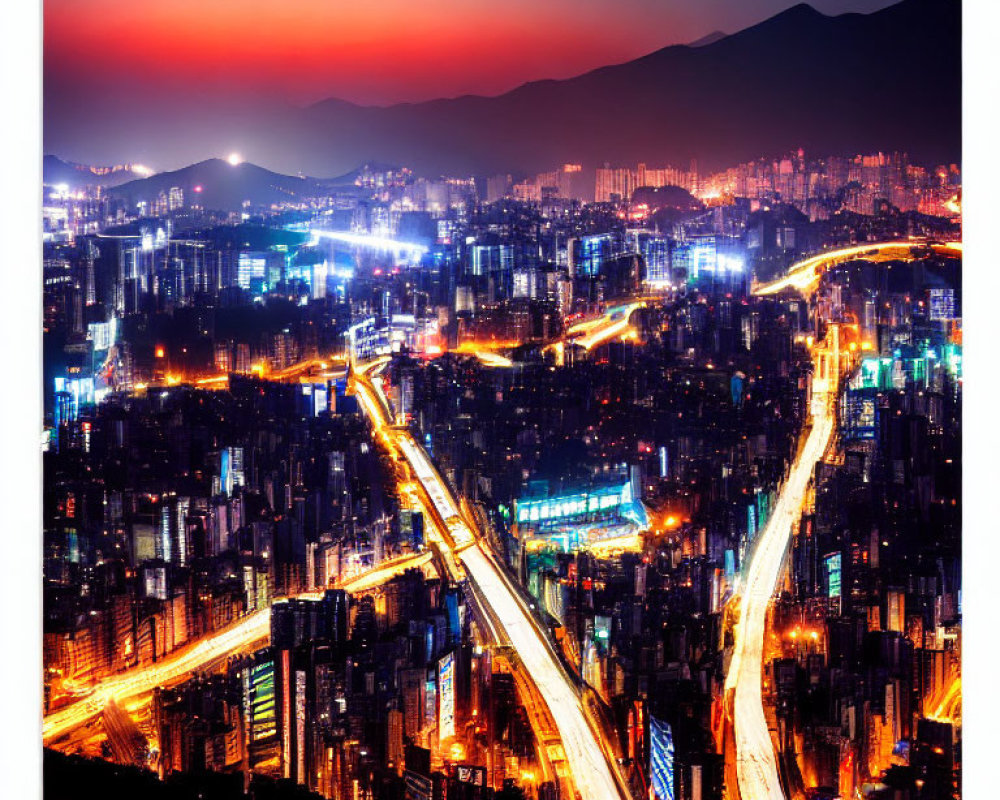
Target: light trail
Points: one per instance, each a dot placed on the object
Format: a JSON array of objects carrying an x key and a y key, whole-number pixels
[
  {"x": 755, "y": 759},
  {"x": 213, "y": 381},
  {"x": 756, "y": 765},
  {"x": 484, "y": 351},
  {"x": 493, "y": 359},
  {"x": 591, "y": 769},
  {"x": 949, "y": 707},
  {"x": 604, "y": 334},
  {"x": 384, "y": 572},
  {"x": 307, "y": 365},
  {"x": 804, "y": 275},
  {"x": 136, "y": 686},
  {"x": 612, "y": 324},
  {"x": 252, "y": 628},
  {"x": 323, "y": 368}
]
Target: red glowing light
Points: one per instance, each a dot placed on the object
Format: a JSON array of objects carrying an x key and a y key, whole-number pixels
[{"x": 198, "y": 188}]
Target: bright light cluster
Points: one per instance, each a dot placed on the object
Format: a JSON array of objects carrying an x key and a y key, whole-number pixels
[{"x": 368, "y": 240}]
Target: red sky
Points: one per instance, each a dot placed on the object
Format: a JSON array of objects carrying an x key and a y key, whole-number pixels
[{"x": 368, "y": 52}]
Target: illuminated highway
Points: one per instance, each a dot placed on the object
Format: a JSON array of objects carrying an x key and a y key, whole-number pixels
[
  {"x": 302, "y": 371},
  {"x": 252, "y": 630},
  {"x": 756, "y": 765},
  {"x": 591, "y": 769},
  {"x": 486, "y": 352},
  {"x": 755, "y": 759},
  {"x": 804, "y": 275},
  {"x": 383, "y": 573},
  {"x": 493, "y": 359},
  {"x": 613, "y": 324}
]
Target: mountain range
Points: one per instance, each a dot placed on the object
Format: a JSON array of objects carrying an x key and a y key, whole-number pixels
[
  {"x": 56, "y": 171},
  {"x": 846, "y": 84},
  {"x": 217, "y": 185}
]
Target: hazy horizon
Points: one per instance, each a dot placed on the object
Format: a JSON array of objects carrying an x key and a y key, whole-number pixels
[{"x": 220, "y": 67}]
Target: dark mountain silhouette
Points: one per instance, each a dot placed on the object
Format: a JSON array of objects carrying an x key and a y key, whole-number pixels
[
  {"x": 709, "y": 38},
  {"x": 890, "y": 80},
  {"x": 55, "y": 171},
  {"x": 217, "y": 185},
  {"x": 854, "y": 83},
  {"x": 671, "y": 197}
]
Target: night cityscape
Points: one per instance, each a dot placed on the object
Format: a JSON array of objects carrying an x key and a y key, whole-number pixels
[{"x": 458, "y": 476}]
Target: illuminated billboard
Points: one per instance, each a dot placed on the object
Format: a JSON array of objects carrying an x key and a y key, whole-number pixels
[
  {"x": 467, "y": 773},
  {"x": 430, "y": 698},
  {"x": 661, "y": 759},
  {"x": 595, "y": 501},
  {"x": 446, "y": 682},
  {"x": 833, "y": 573},
  {"x": 261, "y": 704},
  {"x": 286, "y": 717}
]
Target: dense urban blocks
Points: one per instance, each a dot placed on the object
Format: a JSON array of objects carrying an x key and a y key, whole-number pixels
[{"x": 421, "y": 487}]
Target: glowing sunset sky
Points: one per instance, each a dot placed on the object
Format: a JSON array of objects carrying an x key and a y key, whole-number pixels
[{"x": 299, "y": 51}]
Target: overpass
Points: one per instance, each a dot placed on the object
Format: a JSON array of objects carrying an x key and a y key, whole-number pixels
[
  {"x": 755, "y": 758},
  {"x": 506, "y": 614},
  {"x": 251, "y": 631}
]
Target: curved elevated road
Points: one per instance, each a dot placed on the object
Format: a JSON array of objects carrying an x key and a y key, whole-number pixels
[
  {"x": 756, "y": 765},
  {"x": 755, "y": 760},
  {"x": 178, "y": 666},
  {"x": 593, "y": 774},
  {"x": 804, "y": 276}
]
